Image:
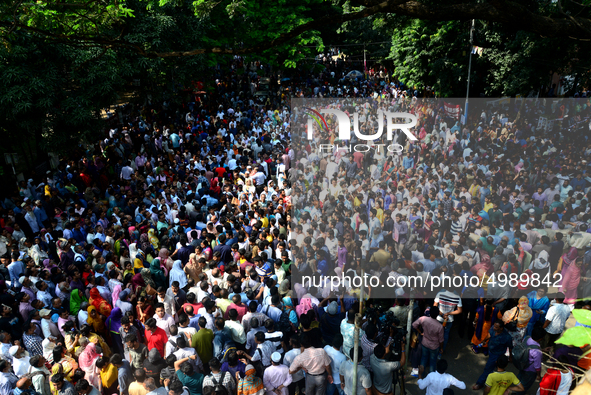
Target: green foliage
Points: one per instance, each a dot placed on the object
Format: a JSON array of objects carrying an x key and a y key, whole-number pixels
[
  {"x": 63, "y": 61},
  {"x": 431, "y": 54},
  {"x": 512, "y": 62},
  {"x": 578, "y": 336}
]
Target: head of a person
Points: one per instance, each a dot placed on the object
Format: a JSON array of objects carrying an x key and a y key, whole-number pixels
[
  {"x": 132, "y": 341},
  {"x": 139, "y": 375},
  {"x": 359, "y": 353},
  {"x": 215, "y": 365},
  {"x": 57, "y": 380},
  {"x": 441, "y": 366},
  {"x": 502, "y": 362},
  {"x": 434, "y": 312},
  {"x": 151, "y": 324},
  {"x": 83, "y": 387},
  {"x": 498, "y": 327}
]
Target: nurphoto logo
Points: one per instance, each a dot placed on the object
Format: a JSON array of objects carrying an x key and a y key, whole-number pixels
[{"x": 393, "y": 123}]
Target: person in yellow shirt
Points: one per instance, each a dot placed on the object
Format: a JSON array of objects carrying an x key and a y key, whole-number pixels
[
  {"x": 109, "y": 375},
  {"x": 500, "y": 381},
  {"x": 487, "y": 204}
]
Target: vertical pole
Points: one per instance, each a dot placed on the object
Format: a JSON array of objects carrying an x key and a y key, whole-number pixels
[
  {"x": 408, "y": 328},
  {"x": 358, "y": 318},
  {"x": 469, "y": 72},
  {"x": 364, "y": 62}
]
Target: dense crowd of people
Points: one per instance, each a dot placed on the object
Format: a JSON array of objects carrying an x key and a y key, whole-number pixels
[{"x": 168, "y": 258}]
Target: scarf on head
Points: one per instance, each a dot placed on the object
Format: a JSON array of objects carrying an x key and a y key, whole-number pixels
[
  {"x": 157, "y": 274},
  {"x": 114, "y": 320},
  {"x": 153, "y": 239},
  {"x": 87, "y": 356},
  {"x": 572, "y": 277},
  {"x": 96, "y": 323},
  {"x": 147, "y": 277},
  {"x": 177, "y": 274},
  {"x": 137, "y": 281},
  {"x": 145, "y": 242},
  {"x": 542, "y": 261},
  {"x": 570, "y": 256},
  {"x": 76, "y": 299},
  {"x": 102, "y": 306},
  {"x": 250, "y": 384}
]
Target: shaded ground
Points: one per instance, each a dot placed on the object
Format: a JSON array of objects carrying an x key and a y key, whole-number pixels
[{"x": 465, "y": 366}]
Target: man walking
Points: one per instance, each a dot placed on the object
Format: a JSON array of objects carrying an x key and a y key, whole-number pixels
[
  {"x": 436, "y": 382},
  {"x": 316, "y": 363},
  {"x": 498, "y": 341},
  {"x": 501, "y": 381},
  {"x": 432, "y": 343}
]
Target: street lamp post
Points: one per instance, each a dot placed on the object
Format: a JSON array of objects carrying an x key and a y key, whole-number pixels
[{"x": 469, "y": 71}]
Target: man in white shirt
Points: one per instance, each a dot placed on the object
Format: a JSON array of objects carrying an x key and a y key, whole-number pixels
[
  {"x": 276, "y": 377},
  {"x": 167, "y": 302},
  {"x": 185, "y": 351},
  {"x": 263, "y": 351},
  {"x": 336, "y": 359},
  {"x": 297, "y": 378},
  {"x": 163, "y": 319},
  {"x": 42, "y": 293},
  {"x": 48, "y": 327},
  {"x": 83, "y": 314},
  {"x": 437, "y": 381},
  {"x": 126, "y": 172},
  {"x": 171, "y": 345},
  {"x": 556, "y": 319},
  {"x": 236, "y": 328}
]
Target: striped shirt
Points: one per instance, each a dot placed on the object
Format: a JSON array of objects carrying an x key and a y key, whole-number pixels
[
  {"x": 456, "y": 227},
  {"x": 447, "y": 302}
]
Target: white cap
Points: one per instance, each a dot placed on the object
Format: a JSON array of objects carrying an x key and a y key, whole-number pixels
[{"x": 276, "y": 357}]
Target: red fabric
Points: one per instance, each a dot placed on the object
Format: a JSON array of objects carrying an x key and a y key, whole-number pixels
[
  {"x": 550, "y": 382},
  {"x": 241, "y": 310},
  {"x": 156, "y": 340}
]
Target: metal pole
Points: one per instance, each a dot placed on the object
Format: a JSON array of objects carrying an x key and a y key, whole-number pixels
[
  {"x": 408, "y": 328},
  {"x": 469, "y": 72},
  {"x": 364, "y": 69},
  {"x": 358, "y": 318}
]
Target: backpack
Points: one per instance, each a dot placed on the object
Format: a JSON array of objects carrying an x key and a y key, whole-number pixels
[
  {"x": 175, "y": 348},
  {"x": 253, "y": 289},
  {"x": 520, "y": 354},
  {"x": 284, "y": 323},
  {"x": 258, "y": 365},
  {"x": 223, "y": 356},
  {"x": 215, "y": 382}
]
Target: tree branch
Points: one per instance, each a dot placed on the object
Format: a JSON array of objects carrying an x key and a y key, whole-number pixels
[{"x": 505, "y": 12}]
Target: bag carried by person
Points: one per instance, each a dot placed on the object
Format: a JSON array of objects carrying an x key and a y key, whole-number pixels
[
  {"x": 520, "y": 353},
  {"x": 511, "y": 326}
]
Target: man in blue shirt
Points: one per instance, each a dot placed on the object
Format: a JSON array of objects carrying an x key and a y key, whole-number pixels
[
  {"x": 506, "y": 208},
  {"x": 498, "y": 341},
  {"x": 175, "y": 139},
  {"x": 408, "y": 162}
]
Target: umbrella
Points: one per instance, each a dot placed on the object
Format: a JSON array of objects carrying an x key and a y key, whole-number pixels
[
  {"x": 285, "y": 79},
  {"x": 354, "y": 74}
]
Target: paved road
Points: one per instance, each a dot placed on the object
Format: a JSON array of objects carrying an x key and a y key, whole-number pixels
[{"x": 465, "y": 365}]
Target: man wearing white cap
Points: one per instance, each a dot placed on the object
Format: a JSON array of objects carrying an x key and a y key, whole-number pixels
[
  {"x": 20, "y": 360},
  {"x": 276, "y": 377},
  {"x": 48, "y": 327}
]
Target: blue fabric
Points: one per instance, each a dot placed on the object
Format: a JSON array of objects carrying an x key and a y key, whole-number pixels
[
  {"x": 429, "y": 356},
  {"x": 490, "y": 367}
]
